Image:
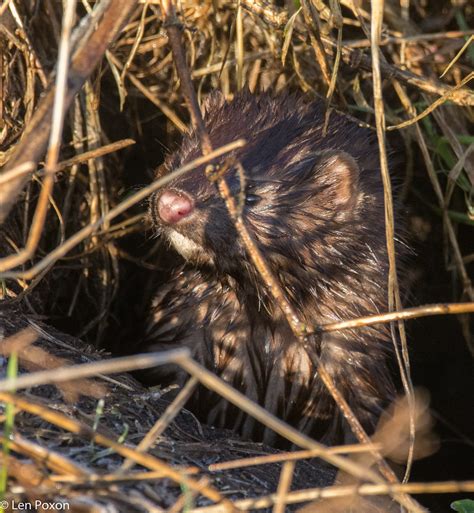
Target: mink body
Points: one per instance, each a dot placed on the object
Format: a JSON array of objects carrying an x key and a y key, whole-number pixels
[{"x": 314, "y": 204}]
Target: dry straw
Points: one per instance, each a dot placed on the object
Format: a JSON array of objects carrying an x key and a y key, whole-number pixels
[{"x": 58, "y": 70}]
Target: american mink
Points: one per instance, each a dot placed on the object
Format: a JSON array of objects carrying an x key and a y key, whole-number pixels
[{"x": 314, "y": 203}]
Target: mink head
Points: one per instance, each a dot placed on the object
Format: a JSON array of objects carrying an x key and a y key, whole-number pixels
[{"x": 312, "y": 200}]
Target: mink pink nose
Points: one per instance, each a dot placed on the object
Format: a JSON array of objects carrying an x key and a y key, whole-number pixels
[{"x": 174, "y": 206}]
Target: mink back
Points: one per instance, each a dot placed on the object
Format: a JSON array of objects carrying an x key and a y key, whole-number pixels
[{"x": 313, "y": 202}]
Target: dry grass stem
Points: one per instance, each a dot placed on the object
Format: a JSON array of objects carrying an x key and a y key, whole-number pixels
[
  {"x": 164, "y": 421},
  {"x": 346, "y": 491},
  {"x": 288, "y": 456},
  {"x": 115, "y": 365},
  {"x": 407, "y": 313},
  {"x": 394, "y": 301}
]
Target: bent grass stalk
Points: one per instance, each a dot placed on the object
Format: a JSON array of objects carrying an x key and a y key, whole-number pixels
[{"x": 12, "y": 372}]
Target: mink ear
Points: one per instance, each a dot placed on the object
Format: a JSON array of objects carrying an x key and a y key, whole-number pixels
[{"x": 342, "y": 173}]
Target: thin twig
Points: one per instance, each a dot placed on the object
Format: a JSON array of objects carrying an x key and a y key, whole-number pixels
[
  {"x": 393, "y": 286},
  {"x": 286, "y": 456},
  {"x": 74, "y": 372},
  {"x": 164, "y": 421},
  {"x": 405, "y": 314},
  {"x": 313, "y": 494},
  {"x": 439, "y": 101},
  {"x": 284, "y": 485}
]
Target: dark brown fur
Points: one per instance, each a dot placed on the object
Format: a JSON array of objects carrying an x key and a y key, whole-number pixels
[{"x": 322, "y": 232}]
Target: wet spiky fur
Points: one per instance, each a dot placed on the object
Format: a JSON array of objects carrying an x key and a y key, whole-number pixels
[{"x": 330, "y": 259}]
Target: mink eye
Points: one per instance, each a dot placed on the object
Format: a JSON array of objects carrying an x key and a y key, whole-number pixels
[{"x": 252, "y": 199}]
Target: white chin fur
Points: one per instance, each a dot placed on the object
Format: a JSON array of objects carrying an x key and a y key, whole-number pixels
[{"x": 184, "y": 246}]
